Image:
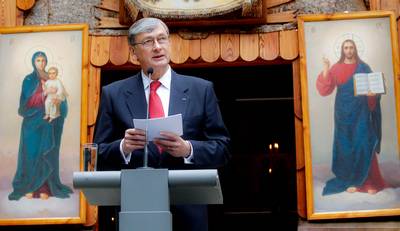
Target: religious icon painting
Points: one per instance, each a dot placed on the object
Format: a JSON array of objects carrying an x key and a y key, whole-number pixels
[
  {"x": 42, "y": 123},
  {"x": 350, "y": 97}
]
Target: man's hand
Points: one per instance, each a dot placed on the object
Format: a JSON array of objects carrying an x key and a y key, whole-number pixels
[
  {"x": 173, "y": 144},
  {"x": 134, "y": 139},
  {"x": 370, "y": 93}
]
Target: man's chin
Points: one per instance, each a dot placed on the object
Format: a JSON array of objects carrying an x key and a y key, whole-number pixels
[{"x": 161, "y": 63}]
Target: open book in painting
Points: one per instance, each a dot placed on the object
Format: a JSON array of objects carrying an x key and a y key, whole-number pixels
[{"x": 365, "y": 83}]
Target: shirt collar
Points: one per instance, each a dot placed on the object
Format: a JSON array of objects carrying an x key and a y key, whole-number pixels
[{"x": 165, "y": 80}]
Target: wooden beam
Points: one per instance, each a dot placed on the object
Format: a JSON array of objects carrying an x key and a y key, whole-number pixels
[
  {"x": 25, "y": 4},
  {"x": 19, "y": 18},
  {"x": 273, "y": 3},
  {"x": 109, "y": 22},
  {"x": 375, "y": 4},
  {"x": 111, "y": 5},
  {"x": 282, "y": 17},
  {"x": 93, "y": 94},
  {"x": 393, "y": 5},
  {"x": 300, "y": 162}
]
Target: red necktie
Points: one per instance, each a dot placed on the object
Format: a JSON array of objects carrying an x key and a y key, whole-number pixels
[{"x": 155, "y": 105}]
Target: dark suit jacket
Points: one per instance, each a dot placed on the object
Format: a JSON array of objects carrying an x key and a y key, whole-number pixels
[{"x": 193, "y": 97}]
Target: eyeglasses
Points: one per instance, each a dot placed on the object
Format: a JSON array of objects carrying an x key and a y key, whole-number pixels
[{"x": 149, "y": 43}]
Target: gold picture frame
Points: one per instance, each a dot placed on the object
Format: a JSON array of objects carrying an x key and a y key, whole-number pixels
[
  {"x": 351, "y": 143},
  {"x": 44, "y": 123}
]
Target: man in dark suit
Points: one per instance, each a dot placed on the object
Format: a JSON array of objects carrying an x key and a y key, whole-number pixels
[{"x": 205, "y": 140}]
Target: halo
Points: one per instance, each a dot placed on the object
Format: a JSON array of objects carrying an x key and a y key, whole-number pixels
[
  {"x": 56, "y": 65},
  {"x": 357, "y": 40},
  {"x": 29, "y": 53}
]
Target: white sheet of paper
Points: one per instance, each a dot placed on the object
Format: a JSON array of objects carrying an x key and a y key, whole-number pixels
[{"x": 156, "y": 125}]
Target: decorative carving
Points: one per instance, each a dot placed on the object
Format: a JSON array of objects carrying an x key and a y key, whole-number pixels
[{"x": 189, "y": 9}]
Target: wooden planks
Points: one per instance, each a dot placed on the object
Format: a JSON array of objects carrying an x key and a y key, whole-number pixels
[
  {"x": 179, "y": 49},
  {"x": 194, "y": 49},
  {"x": 109, "y": 22},
  {"x": 269, "y": 45},
  {"x": 249, "y": 50},
  {"x": 8, "y": 13},
  {"x": 282, "y": 17},
  {"x": 230, "y": 46},
  {"x": 227, "y": 47},
  {"x": 210, "y": 48},
  {"x": 119, "y": 50},
  {"x": 112, "y": 5},
  {"x": 273, "y": 3},
  {"x": 393, "y": 5},
  {"x": 290, "y": 48},
  {"x": 100, "y": 50}
]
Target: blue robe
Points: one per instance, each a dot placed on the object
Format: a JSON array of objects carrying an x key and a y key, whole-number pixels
[
  {"x": 357, "y": 136},
  {"x": 38, "y": 154}
]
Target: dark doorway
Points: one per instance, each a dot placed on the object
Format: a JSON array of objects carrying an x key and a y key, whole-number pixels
[{"x": 259, "y": 183}]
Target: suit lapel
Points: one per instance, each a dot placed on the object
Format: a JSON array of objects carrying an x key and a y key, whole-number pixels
[
  {"x": 135, "y": 98},
  {"x": 178, "y": 95}
]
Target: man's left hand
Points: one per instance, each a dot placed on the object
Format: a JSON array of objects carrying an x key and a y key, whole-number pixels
[{"x": 173, "y": 144}]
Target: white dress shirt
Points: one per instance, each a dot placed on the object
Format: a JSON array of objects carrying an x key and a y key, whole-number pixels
[{"x": 164, "y": 93}]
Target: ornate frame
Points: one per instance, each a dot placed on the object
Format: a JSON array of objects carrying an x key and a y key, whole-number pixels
[
  {"x": 320, "y": 36},
  {"x": 66, "y": 47}
]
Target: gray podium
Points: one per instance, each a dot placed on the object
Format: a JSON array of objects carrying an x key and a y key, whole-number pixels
[{"x": 146, "y": 194}]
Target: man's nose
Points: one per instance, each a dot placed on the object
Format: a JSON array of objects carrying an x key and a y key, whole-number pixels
[{"x": 156, "y": 45}]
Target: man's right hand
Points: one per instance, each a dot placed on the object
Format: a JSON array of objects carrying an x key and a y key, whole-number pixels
[{"x": 134, "y": 139}]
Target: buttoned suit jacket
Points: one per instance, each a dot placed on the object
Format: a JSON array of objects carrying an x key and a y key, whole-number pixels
[{"x": 190, "y": 96}]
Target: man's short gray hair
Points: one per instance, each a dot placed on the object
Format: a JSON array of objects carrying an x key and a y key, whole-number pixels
[{"x": 144, "y": 25}]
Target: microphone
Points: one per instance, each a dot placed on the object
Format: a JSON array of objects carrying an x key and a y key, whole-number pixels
[{"x": 150, "y": 71}]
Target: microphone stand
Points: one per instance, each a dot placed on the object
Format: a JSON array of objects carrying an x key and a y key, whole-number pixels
[{"x": 146, "y": 149}]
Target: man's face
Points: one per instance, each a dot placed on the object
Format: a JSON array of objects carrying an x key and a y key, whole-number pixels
[
  {"x": 40, "y": 63},
  {"x": 153, "y": 49},
  {"x": 348, "y": 50}
]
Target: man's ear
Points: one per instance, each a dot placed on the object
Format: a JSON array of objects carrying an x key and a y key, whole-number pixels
[{"x": 133, "y": 51}]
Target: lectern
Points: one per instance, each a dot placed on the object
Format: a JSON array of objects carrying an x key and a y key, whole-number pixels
[{"x": 146, "y": 194}]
